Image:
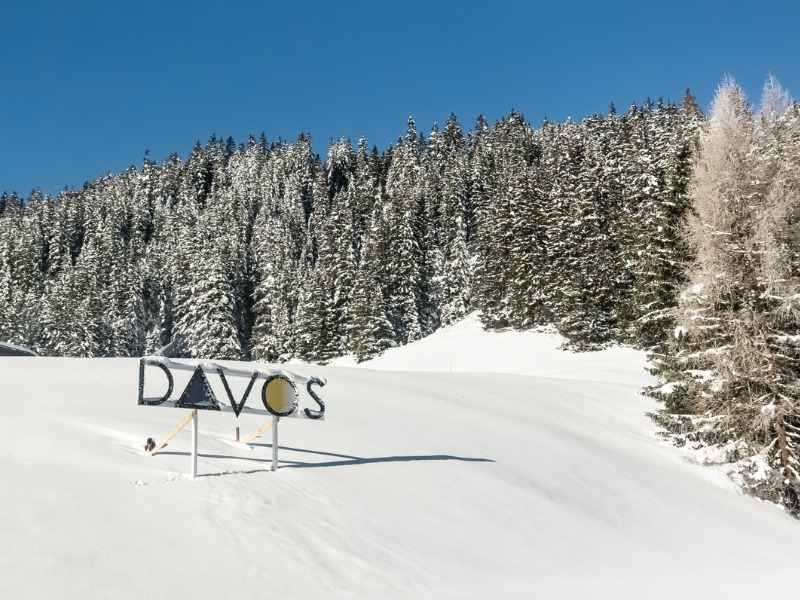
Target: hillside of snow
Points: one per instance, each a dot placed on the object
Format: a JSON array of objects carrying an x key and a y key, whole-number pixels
[
  {"x": 466, "y": 348},
  {"x": 466, "y": 465}
]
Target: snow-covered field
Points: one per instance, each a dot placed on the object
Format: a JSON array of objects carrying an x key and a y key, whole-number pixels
[{"x": 466, "y": 465}]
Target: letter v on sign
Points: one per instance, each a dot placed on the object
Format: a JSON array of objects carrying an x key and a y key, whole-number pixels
[{"x": 237, "y": 407}]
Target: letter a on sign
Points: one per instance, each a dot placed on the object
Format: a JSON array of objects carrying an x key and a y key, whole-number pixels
[{"x": 198, "y": 393}]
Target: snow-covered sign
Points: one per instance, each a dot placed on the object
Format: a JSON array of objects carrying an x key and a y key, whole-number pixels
[
  {"x": 279, "y": 395},
  {"x": 9, "y": 349}
]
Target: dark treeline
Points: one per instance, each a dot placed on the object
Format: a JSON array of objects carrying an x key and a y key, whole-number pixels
[{"x": 263, "y": 251}]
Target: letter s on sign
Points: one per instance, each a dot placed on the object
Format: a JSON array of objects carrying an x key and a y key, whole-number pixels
[{"x": 315, "y": 414}]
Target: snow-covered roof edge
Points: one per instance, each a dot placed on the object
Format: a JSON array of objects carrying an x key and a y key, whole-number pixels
[{"x": 9, "y": 349}]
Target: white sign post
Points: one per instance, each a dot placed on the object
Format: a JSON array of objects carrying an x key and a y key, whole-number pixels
[
  {"x": 275, "y": 442},
  {"x": 193, "y": 472}
]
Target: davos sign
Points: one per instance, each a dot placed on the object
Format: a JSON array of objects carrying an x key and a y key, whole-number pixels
[{"x": 279, "y": 395}]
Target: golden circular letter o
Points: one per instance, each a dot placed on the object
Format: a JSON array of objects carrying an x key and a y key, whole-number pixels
[{"x": 280, "y": 395}]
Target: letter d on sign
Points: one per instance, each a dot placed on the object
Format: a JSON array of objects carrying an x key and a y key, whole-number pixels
[{"x": 153, "y": 401}]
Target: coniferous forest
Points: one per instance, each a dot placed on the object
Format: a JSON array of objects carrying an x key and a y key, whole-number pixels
[
  {"x": 657, "y": 227},
  {"x": 264, "y": 251}
]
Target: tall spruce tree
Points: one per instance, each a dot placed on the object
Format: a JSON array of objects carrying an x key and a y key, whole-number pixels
[
  {"x": 456, "y": 266},
  {"x": 399, "y": 212}
]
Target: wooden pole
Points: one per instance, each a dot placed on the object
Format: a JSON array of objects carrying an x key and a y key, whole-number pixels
[
  {"x": 172, "y": 433},
  {"x": 258, "y": 433},
  {"x": 237, "y": 434}
]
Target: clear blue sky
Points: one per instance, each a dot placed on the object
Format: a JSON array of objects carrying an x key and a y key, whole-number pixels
[{"x": 87, "y": 87}]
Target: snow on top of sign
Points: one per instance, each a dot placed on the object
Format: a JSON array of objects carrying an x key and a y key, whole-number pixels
[{"x": 232, "y": 368}]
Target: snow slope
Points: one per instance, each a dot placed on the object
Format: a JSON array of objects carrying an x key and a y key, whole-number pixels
[
  {"x": 525, "y": 472},
  {"x": 466, "y": 348}
]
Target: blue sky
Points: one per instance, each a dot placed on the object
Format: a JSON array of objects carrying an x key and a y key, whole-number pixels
[{"x": 87, "y": 87}]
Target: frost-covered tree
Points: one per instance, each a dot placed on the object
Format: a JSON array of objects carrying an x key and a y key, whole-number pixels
[
  {"x": 456, "y": 266},
  {"x": 370, "y": 331},
  {"x": 397, "y": 212},
  {"x": 206, "y": 311},
  {"x": 660, "y": 251},
  {"x": 734, "y": 368}
]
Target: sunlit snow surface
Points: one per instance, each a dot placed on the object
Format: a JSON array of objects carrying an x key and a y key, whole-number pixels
[{"x": 526, "y": 472}]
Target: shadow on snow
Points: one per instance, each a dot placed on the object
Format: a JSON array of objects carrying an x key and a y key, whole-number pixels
[{"x": 346, "y": 459}]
